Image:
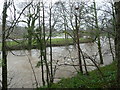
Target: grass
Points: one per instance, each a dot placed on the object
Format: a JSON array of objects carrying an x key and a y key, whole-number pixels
[
  {"x": 63, "y": 41},
  {"x": 55, "y": 42},
  {"x": 94, "y": 79}
]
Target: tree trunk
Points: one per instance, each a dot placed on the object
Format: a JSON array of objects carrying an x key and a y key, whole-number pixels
[
  {"x": 98, "y": 33},
  {"x": 29, "y": 33},
  {"x": 78, "y": 46},
  {"x": 111, "y": 50},
  {"x": 117, "y": 8},
  {"x": 114, "y": 28},
  {"x": 4, "y": 51},
  {"x": 51, "y": 61},
  {"x": 44, "y": 50},
  {"x": 99, "y": 50},
  {"x": 41, "y": 48},
  {"x": 84, "y": 63}
]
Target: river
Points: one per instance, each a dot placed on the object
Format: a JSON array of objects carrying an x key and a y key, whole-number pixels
[{"x": 20, "y": 73}]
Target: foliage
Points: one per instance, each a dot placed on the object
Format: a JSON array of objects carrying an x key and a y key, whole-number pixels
[{"x": 94, "y": 80}]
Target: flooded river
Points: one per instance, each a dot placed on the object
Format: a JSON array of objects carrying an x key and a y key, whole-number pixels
[{"x": 19, "y": 69}]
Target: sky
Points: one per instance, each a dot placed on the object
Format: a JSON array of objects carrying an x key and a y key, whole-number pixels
[
  {"x": 46, "y": 1},
  {"x": 17, "y": 1}
]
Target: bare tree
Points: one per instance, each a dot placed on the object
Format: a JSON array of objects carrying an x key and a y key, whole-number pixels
[
  {"x": 5, "y": 34},
  {"x": 39, "y": 38},
  {"x": 51, "y": 59},
  {"x": 77, "y": 41},
  {"x": 98, "y": 33}
]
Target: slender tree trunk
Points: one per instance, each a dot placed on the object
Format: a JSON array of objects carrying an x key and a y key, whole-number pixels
[
  {"x": 4, "y": 51},
  {"x": 42, "y": 68},
  {"x": 31, "y": 25},
  {"x": 29, "y": 40},
  {"x": 29, "y": 33},
  {"x": 44, "y": 50},
  {"x": 111, "y": 50},
  {"x": 117, "y": 8},
  {"x": 33, "y": 72},
  {"x": 114, "y": 28},
  {"x": 51, "y": 61},
  {"x": 41, "y": 48},
  {"x": 65, "y": 26},
  {"x": 98, "y": 32},
  {"x": 99, "y": 50},
  {"x": 84, "y": 63},
  {"x": 78, "y": 46}
]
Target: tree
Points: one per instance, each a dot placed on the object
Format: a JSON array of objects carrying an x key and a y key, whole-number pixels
[
  {"x": 77, "y": 41},
  {"x": 51, "y": 59},
  {"x": 31, "y": 16},
  {"x": 98, "y": 33},
  {"x": 117, "y": 9},
  {"x": 5, "y": 35},
  {"x": 4, "y": 51},
  {"x": 42, "y": 42},
  {"x": 44, "y": 48}
]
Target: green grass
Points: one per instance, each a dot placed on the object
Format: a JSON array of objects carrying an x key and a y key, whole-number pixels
[
  {"x": 94, "y": 79},
  {"x": 68, "y": 41},
  {"x": 55, "y": 42},
  {"x": 13, "y": 44}
]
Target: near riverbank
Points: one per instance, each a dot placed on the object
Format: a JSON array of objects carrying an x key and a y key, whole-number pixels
[{"x": 93, "y": 80}]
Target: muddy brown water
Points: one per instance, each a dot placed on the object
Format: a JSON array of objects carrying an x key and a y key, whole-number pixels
[{"x": 21, "y": 74}]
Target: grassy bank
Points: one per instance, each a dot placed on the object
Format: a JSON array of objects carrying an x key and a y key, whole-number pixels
[
  {"x": 94, "y": 80},
  {"x": 62, "y": 41},
  {"x": 12, "y": 45}
]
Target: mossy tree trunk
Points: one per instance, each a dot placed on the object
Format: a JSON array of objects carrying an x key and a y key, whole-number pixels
[
  {"x": 4, "y": 51},
  {"x": 117, "y": 8},
  {"x": 30, "y": 27}
]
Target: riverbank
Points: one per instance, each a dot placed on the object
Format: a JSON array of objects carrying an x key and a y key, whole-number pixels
[
  {"x": 22, "y": 45},
  {"x": 94, "y": 80}
]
